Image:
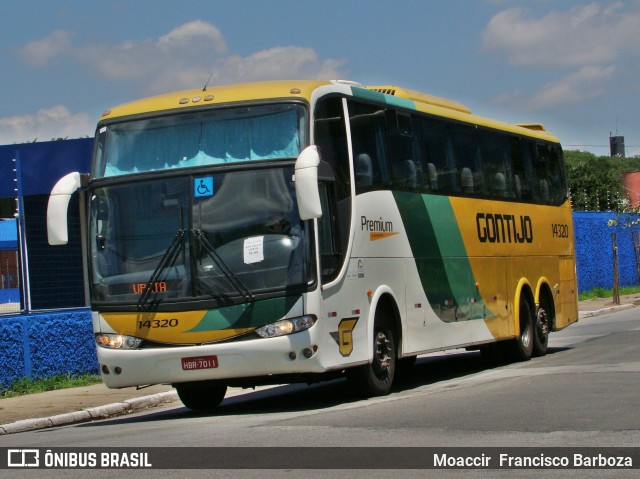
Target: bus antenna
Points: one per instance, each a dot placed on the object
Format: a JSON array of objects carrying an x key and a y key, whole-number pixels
[{"x": 207, "y": 84}]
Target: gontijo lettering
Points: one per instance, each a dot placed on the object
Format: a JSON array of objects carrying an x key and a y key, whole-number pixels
[{"x": 498, "y": 228}]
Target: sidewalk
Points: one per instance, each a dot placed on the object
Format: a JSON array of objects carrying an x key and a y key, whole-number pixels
[
  {"x": 595, "y": 307},
  {"x": 83, "y": 404}
]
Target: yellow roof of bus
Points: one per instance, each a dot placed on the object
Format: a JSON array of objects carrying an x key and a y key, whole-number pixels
[
  {"x": 217, "y": 95},
  {"x": 303, "y": 89}
]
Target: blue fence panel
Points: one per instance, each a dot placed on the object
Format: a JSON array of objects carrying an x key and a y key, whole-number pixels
[
  {"x": 594, "y": 250},
  {"x": 42, "y": 345}
]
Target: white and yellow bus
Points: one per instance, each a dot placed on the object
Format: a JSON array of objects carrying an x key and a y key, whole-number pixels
[{"x": 297, "y": 230}]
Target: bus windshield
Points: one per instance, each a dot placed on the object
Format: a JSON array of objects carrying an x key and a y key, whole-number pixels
[
  {"x": 241, "y": 239},
  {"x": 211, "y": 137}
]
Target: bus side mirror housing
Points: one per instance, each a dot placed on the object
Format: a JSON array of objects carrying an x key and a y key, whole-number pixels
[
  {"x": 57, "y": 230},
  {"x": 307, "y": 191}
]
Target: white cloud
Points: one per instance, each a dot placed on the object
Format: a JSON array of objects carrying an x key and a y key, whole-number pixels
[
  {"x": 184, "y": 58},
  {"x": 193, "y": 33},
  {"x": 181, "y": 58},
  {"x": 582, "y": 85},
  {"x": 595, "y": 33},
  {"x": 278, "y": 63},
  {"x": 39, "y": 52},
  {"x": 587, "y": 44},
  {"x": 46, "y": 124},
  {"x": 574, "y": 88}
]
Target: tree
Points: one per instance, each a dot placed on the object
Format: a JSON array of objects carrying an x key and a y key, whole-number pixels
[{"x": 596, "y": 181}]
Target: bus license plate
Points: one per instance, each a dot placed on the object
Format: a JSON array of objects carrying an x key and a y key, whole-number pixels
[{"x": 200, "y": 362}]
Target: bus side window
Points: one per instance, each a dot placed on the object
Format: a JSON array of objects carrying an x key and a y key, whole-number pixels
[
  {"x": 543, "y": 175},
  {"x": 521, "y": 166},
  {"x": 330, "y": 135},
  {"x": 558, "y": 179},
  {"x": 467, "y": 159},
  {"x": 330, "y": 253},
  {"x": 497, "y": 168},
  {"x": 363, "y": 171},
  {"x": 400, "y": 133},
  {"x": 430, "y": 155},
  {"x": 405, "y": 175},
  {"x": 369, "y": 138},
  {"x": 432, "y": 176}
]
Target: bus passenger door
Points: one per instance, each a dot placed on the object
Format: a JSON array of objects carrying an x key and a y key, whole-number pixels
[{"x": 344, "y": 311}]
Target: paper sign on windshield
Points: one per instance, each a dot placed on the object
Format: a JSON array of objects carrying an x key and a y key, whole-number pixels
[{"x": 253, "y": 250}]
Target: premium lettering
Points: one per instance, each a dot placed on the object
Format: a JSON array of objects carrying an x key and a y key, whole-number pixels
[{"x": 378, "y": 226}]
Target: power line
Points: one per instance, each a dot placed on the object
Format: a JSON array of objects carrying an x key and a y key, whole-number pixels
[{"x": 603, "y": 146}]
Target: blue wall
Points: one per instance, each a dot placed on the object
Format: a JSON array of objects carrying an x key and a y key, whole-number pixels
[
  {"x": 594, "y": 253},
  {"x": 42, "y": 164},
  {"x": 42, "y": 345}
]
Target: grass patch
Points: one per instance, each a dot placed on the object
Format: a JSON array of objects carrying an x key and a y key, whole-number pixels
[
  {"x": 25, "y": 386},
  {"x": 599, "y": 293}
]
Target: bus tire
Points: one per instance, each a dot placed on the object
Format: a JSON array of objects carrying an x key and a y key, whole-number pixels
[
  {"x": 201, "y": 396},
  {"x": 376, "y": 378},
  {"x": 541, "y": 333},
  {"x": 522, "y": 346}
]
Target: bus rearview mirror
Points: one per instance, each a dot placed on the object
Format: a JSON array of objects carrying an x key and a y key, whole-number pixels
[
  {"x": 307, "y": 191},
  {"x": 57, "y": 230}
]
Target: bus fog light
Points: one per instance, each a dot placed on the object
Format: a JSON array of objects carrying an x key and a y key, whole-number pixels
[
  {"x": 286, "y": 326},
  {"x": 117, "y": 341}
]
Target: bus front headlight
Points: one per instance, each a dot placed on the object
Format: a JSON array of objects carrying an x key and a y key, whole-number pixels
[
  {"x": 286, "y": 326},
  {"x": 117, "y": 341}
]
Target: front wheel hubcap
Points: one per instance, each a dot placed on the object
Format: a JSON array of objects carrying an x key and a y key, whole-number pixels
[{"x": 382, "y": 353}]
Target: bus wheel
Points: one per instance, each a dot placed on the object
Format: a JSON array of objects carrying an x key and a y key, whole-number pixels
[
  {"x": 204, "y": 396},
  {"x": 376, "y": 379},
  {"x": 522, "y": 346},
  {"x": 541, "y": 333}
]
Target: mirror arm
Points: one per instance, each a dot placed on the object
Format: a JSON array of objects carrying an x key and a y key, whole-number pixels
[{"x": 57, "y": 230}]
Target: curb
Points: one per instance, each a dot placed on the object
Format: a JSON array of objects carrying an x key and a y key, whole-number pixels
[
  {"x": 598, "y": 312},
  {"x": 90, "y": 414}
]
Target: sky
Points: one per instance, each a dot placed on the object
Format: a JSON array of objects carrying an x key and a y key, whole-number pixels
[{"x": 572, "y": 65}]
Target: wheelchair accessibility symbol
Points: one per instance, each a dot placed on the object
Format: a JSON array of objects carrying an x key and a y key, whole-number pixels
[{"x": 203, "y": 186}]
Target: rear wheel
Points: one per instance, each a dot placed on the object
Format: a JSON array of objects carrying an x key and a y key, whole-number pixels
[
  {"x": 522, "y": 346},
  {"x": 541, "y": 333},
  {"x": 203, "y": 396},
  {"x": 376, "y": 379}
]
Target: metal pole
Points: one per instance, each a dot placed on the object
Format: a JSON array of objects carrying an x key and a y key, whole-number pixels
[
  {"x": 616, "y": 285},
  {"x": 22, "y": 238}
]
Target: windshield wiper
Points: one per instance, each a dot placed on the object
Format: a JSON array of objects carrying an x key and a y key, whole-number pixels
[
  {"x": 246, "y": 293},
  {"x": 168, "y": 259}
]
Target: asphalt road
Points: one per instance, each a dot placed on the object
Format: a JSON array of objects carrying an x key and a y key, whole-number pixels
[{"x": 585, "y": 392}]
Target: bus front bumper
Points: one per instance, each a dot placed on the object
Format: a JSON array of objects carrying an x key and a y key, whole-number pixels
[{"x": 294, "y": 354}]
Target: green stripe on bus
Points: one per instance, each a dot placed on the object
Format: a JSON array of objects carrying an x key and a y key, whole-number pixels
[
  {"x": 382, "y": 98},
  {"x": 440, "y": 256},
  {"x": 248, "y": 315}
]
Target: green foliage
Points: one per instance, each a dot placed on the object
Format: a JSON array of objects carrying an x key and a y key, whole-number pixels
[
  {"x": 596, "y": 181},
  {"x": 24, "y": 386},
  {"x": 599, "y": 293},
  {"x": 595, "y": 293}
]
